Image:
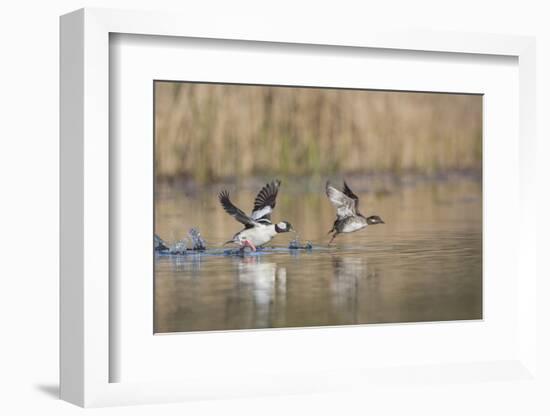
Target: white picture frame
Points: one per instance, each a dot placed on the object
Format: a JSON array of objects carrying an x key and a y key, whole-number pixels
[{"x": 86, "y": 356}]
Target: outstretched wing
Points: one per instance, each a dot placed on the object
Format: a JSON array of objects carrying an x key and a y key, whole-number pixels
[
  {"x": 265, "y": 202},
  {"x": 349, "y": 193},
  {"x": 345, "y": 206},
  {"x": 234, "y": 211}
]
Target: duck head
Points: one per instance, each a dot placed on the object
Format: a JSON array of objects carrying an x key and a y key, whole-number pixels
[
  {"x": 283, "y": 227},
  {"x": 374, "y": 219}
]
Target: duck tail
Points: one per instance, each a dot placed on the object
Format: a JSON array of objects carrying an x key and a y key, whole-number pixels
[{"x": 227, "y": 242}]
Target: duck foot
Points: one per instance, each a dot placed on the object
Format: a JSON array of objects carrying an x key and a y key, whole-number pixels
[{"x": 248, "y": 243}]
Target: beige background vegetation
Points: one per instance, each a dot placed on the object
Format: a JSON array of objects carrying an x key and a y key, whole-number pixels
[{"x": 211, "y": 132}]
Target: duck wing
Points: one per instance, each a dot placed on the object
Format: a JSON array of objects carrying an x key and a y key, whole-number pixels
[
  {"x": 265, "y": 202},
  {"x": 234, "y": 211},
  {"x": 345, "y": 206},
  {"x": 349, "y": 193}
]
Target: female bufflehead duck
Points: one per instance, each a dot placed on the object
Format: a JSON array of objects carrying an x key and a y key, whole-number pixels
[
  {"x": 258, "y": 229},
  {"x": 348, "y": 217}
]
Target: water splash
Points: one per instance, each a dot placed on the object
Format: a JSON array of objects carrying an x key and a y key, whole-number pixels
[
  {"x": 193, "y": 239},
  {"x": 179, "y": 247},
  {"x": 295, "y": 244},
  {"x": 197, "y": 241},
  {"x": 159, "y": 244}
]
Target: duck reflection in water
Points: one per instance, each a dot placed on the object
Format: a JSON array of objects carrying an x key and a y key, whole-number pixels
[
  {"x": 265, "y": 284},
  {"x": 353, "y": 282}
]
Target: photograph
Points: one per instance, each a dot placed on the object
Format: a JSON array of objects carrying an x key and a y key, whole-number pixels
[{"x": 301, "y": 207}]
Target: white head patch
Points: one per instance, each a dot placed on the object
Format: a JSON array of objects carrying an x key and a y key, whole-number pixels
[{"x": 282, "y": 226}]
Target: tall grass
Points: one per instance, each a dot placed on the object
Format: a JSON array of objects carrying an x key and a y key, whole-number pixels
[{"x": 209, "y": 132}]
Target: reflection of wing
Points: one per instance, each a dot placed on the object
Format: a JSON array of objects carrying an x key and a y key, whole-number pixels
[
  {"x": 349, "y": 267},
  {"x": 345, "y": 206},
  {"x": 234, "y": 211},
  {"x": 348, "y": 284},
  {"x": 255, "y": 272},
  {"x": 348, "y": 192},
  {"x": 265, "y": 202}
]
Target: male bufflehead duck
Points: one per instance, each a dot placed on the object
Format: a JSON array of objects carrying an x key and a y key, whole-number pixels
[
  {"x": 258, "y": 229},
  {"x": 348, "y": 217}
]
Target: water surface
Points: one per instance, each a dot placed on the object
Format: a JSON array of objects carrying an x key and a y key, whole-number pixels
[{"x": 424, "y": 264}]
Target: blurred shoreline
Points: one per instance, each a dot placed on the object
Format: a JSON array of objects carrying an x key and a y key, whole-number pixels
[{"x": 379, "y": 183}]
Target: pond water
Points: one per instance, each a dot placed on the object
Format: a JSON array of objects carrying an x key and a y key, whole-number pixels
[{"x": 424, "y": 264}]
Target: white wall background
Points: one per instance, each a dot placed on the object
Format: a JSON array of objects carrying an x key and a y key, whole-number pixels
[{"x": 29, "y": 206}]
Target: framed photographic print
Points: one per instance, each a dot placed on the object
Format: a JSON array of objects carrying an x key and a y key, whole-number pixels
[{"x": 263, "y": 213}]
